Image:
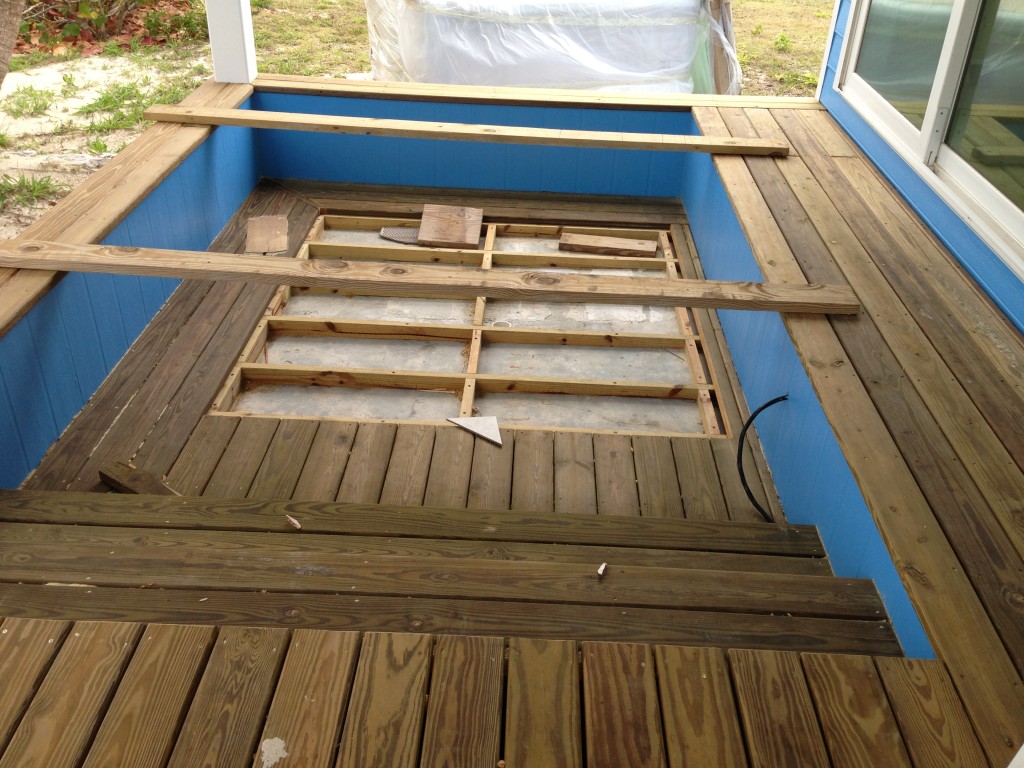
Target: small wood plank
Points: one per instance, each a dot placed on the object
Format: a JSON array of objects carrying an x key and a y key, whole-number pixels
[
  {"x": 142, "y": 722},
  {"x": 242, "y": 458},
  {"x": 533, "y": 471},
  {"x": 201, "y": 454},
  {"x": 698, "y": 480},
  {"x": 542, "y": 705},
  {"x": 575, "y": 480},
  {"x": 779, "y": 722},
  {"x": 622, "y": 716},
  {"x": 428, "y": 281},
  {"x": 127, "y": 478},
  {"x": 935, "y": 727},
  {"x": 702, "y": 729},
  {"x": 325, "y": 463},
  {"x": 463, "y": 721},
  {"x": 57, "y": 727},
  {"x": 364, "y": 126},
  {"x": 611, "y": 246},
  {"x": 736, "y": 501},
  {"x": 367, "y": 464},
  {"x": 656, "y": 477},
  {"x": 308, "y": 705},
  {"x": 27, "y": 648},
  {"x": 409, "y": 466},
  {"x": 266, "y": 234},
  {"x": 855, "y": 715},
  {"x": 450, "y": 466},
  {"x": 285, "y": 458},
  {"x": 227, "y": 710},
  {"x": 450, "y": 226},
  {"x": 385, "y": 714},
  {"x": 615, "y": 473},
  {"x": 490, "y": 482}
]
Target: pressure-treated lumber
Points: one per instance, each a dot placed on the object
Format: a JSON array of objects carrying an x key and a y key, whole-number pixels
[
  {"x": 428, "y": 281},
  {"x": 497, "y": 134},
  {"x": 610, "y": 246}
]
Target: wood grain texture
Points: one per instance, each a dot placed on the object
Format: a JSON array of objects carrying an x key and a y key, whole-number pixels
[
  {"x": 325, "y": 463},
  {"x": 385, "y": 715},
  {"x": 367, "y": 464},
  {"x": 702, "y": 727},
  {"x": 575, "y": 478},
  {"x": 656, "y": 477},
  {"x": 464, "y": 715},
  {"x": 936, "y": 730},
  {"x": 242, "y": 458},
  {"x": 284, "y": 460},
  {"x": 56, "y": 728},
  {"x": 27, "y": 648},
  {"x": 450, "y": 226},
  {"x": 490, "y": 481},
  {"x": 228, "y": 707},
  {"x": 478, "y": 617},
  {"x": 698, "y": 480},
  {"x": 266, "y": 234},
  {"x": 615, "y": 474},
  {"x": 855, "y": 715},
  {"x": 450, "y": 468},
  {"x": 622, "y": 719},
  {"x": 141, "y": 725},
  {"x": 370, "y": 126},
  {"x": 309, "y": 702},
  {"x": 199, "y": 457},
  {"x": 779, "y": 722},
  {"x": 533, "y": 471},
  {"x": 127, "y": 478},
  {"x": 611, "y": 246},
  {"x": 542, "y": 706},
  {"x": 192, "y": 513},
  {"x": 409, "y": 465},
  {"x": 371, "y": 279}
]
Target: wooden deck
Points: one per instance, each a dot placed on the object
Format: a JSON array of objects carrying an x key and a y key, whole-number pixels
[{"x": 440, "y": 603}]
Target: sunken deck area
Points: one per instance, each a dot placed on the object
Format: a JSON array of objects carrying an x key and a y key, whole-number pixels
[{"x": 390, "y": 592}]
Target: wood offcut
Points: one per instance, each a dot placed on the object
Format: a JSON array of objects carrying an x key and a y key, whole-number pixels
[{"x": 450, "y": 226}]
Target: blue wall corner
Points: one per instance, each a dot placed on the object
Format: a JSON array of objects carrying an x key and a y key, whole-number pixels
[
  {"x": 980, "y": 261},
  {"x": 55, "y": 358},
  {"x": 814, "y": 481}
]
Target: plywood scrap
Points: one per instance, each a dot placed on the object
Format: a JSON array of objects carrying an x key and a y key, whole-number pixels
[
  {"x": 610, "y": 246},
  {"x": 266, "y": 234},
  {"x": 482, "y": 426},
  {"x": 450, "y": 226},
  {"x": 127, "y": 478},
  {"x": 372, "y": 279}
]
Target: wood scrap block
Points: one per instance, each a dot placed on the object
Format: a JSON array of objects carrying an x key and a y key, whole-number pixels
[
  {"x": 611, "y": 246},
  {"x": 451, "y": 226},
  {"x": 266, "y": 234},
  {"x": 127, "y": 478}
]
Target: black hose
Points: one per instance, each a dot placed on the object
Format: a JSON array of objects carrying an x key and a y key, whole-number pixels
[{"x": 739, "y": 455}]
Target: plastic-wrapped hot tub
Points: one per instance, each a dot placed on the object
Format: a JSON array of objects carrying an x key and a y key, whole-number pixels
[{"x": 615, "y": 44}]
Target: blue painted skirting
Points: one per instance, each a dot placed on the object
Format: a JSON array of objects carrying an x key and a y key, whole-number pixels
[
  {"x": 54, "y": 359},
  {"x": 810, "y": 472}
]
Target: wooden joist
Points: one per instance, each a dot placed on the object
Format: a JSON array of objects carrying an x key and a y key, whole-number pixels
[
  {"x": 491, "y": 134},
  {"x": 428, "y": 281}
]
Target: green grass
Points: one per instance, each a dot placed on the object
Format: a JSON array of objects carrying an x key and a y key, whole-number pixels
[
  {"x": 27, "y": 101},
  {"x": 311, "y": 37},
  {"x": 120, "y": 106},
  {"x": 22, "y": 189}
]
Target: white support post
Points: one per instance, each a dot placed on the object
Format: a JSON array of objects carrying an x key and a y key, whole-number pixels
[{"x": 231, "y": 38}]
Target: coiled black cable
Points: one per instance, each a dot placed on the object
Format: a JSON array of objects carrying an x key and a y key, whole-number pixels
[{"x": 739, "y": 455}]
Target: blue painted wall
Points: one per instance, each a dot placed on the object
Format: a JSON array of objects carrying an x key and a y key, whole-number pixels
[
  {"x": 1005, "y": 288},
  {"x": 55, "y": 358},
  {"x": 811, "y": 475},
  {"x": 416, "y": 162}
]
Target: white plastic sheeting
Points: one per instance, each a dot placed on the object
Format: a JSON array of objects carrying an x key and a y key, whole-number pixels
[{"x": 660, "y": 46}]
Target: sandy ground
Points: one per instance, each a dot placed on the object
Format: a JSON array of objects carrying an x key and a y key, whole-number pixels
[{"x": 53, "y": 144}]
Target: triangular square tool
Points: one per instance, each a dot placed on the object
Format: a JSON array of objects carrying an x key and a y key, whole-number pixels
[{"x": 484, "y": 426}]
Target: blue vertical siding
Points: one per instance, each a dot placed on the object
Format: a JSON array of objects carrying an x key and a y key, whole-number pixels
[
  {"x": 811, "y": 475},
  {"x": 429, "y": 163},
  {"x": 980, "y": 261},
  {"x": 54, "y": 359}
]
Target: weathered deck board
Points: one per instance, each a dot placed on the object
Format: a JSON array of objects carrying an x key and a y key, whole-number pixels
[
  {"x": 282, "y": 465},
  {"x": 656, "y": 477},
  {"x": 533, "y": 471},
  {"x": 367, "y": 465},
  {"x": 325, "y": 463},
  {"x": 575, "y": 482}
]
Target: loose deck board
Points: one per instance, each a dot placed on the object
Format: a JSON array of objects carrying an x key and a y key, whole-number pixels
[{"x": 450, "y": 226}]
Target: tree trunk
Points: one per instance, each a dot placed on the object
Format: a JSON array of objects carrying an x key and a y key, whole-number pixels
[{"x": 10, "y": 23}]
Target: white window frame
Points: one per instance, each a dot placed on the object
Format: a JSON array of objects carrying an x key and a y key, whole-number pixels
[{"x": 986, "y": 210}]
